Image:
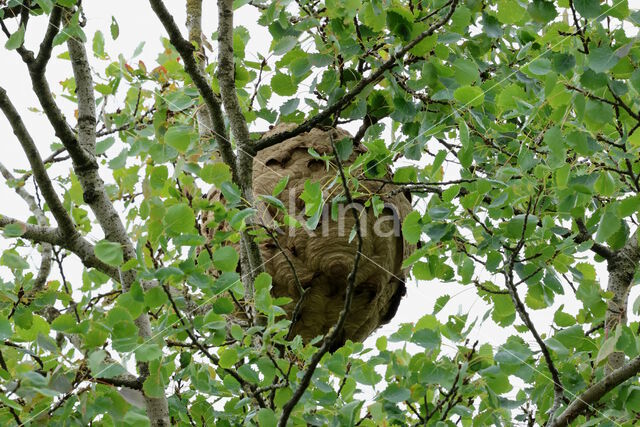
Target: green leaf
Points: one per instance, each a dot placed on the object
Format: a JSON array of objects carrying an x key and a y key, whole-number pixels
[
  {"x": 465, "y": 71},
  {"x": 5, "y": 329},
  {"x": 104, "y": 145},
  {"x": 425, "y": 46},
  {"x": 412, "y": 227},
  {"x": 45, "y": 5},
  {"x": 563, "y": 62},
  {"x": 608, "y": 346},
  {"x": 179, "y": 137},
  {"x": 283, "y": 84},
  {"x": 284, "y": 45},
  {"x": 365, "y": 374},
  {"x": 100, "y": 369},
  {"x": 510, "y": 12},
  {"x": 633, "y": 399},
  {"x": 179, "y": 219},
  {"x": 228, "y": 357},
  {"x": 554, "y": 139},
  {"x": 400, "y": 22},
  {"x": 223, "y": 306},
  {"x": 396, "y": 393},
  {"x": 114, "y": 28},
  {"x": 290, "y": 106},
  {"x": 109, "y": 252},
  {"x": 344, "y": 148},
  {"x": 515, "y": 226},
  {"x": 280, "y": 186},
  {"x": 155, "y": 297},
  {"x": 602, "y": 59},
  {"x": 153, "y": 386},
  {"x": 539, "y": 66},
  {"x": 13, "y": 260},
  {"x": 514, "y": 352},
  {"x": 38, "y": 326},
  {"x": 313, "y": 201},
  {"x": 215, "y": 173},
  {"x": 629, "y": 206},
  {"x": 587, "y": 8},
  {"x": 609, "y": 224},
  {"x": 158, "y": 177},
  {"x": 263, "y": 298},
  {"x": 16, "y": 39},
  {"x": 14, "y": 230},
  {"x": 226, "y": 281},
  {"x": 542, "y": 11},
  {"x": 225, "y": 258},
  {"x": 64, "y": 322},
  {"x": 266, "y": 418},
  {"x": 98, "y": 44},
  {"x": 427, "y": 338},
  {"x": 606, "y": 184},
  {"x": 178, "y": 101},
  {"x": 148, "y": 352},
  {"x": 469, "y": 96}
]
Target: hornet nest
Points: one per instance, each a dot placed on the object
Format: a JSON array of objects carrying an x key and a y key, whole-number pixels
[{"x": 324, "y": 257}]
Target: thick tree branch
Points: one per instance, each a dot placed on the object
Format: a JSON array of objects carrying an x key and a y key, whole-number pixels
[
  {"x": 96, "y": 197},
  {"x": 226, "y": 77},
  {"x": 594, "y": 393},
  {"x": 374, "y": 77},
  {"x": 53, "y": 236},
  {"x": 186, "y": 51},
  {"x": 44, "y": 54},
  {"x": 584, "y": 236},
  {"x": 34, "y": 233},
  {"x": 622, "y": 268},
  {"x": 194, "y": 27},
  {"x": 37, "y": 67},
  {"x": 37, "y": 166}
]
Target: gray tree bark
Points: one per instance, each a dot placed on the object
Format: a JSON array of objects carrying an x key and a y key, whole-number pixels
[
  {"x": 622, "y": 268},
  {"x": 96, "y": 197}
]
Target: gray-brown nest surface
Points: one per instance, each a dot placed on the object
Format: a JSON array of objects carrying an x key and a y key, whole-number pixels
[{"x": 324, "y": 257}]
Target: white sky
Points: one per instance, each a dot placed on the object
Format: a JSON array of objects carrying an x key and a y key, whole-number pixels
[{"x": 138, "y": 23}]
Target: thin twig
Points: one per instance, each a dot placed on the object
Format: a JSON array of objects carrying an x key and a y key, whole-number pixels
[{"x": 331, "y": 338}]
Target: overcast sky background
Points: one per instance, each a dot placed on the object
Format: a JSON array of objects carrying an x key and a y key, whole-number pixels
[{"x": 138, "y": 23}]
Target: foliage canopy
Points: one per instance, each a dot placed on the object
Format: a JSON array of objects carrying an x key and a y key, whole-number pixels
[{"x": 514, "y": 125}]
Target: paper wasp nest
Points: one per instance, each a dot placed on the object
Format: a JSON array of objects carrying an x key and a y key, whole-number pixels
[{"x": 323, "y": 258}]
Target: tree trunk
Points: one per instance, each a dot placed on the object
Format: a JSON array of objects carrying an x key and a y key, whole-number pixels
[{"x": 622, "y": 268}]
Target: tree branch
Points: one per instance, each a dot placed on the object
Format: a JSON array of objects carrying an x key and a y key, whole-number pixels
[
  {"x": 186, "y": 50},
  {"x": 374, "y": 77},
  {"x": 524, "y": 315},
  {"x": 331, "y": 338},
  {"x": 594, "y": 393},
  {"x": 194, "y": 27},
  {"x": 244, "y": 162},
  {"x": 96, "y": 197},
  {"x": 77, "y": 244},
  {"x": 584, "y": 236},
  {"x": 622, "y": 268},
  {"x": 212, "y": 357},
  {"x": 44, "y": 54},
  {"x": 41, "y": 219},
  {"x": 37, "y": 166}
]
